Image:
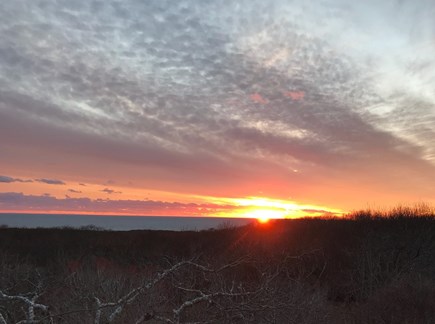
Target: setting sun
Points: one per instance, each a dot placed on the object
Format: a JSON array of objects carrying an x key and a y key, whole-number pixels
[{"x": 263, "y": 220}]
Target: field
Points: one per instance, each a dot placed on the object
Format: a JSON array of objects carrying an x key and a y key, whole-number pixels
[{"x": 366, "y": 268}]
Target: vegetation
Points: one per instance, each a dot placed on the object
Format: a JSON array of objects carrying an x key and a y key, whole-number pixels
[{"x": 370, "y": 267}]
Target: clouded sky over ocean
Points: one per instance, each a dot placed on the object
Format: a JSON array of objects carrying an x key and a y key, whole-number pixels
[{"x": 196, "y": 107}]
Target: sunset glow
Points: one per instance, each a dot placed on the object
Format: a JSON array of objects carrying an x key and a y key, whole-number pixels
[
  {"x": 256, "y": 109},
  {"x": 262, "y": 208},
  {"x": 263, "y": 215},
  {"x": 263, "y": 219},
  {"x": 203, "y": 161}
]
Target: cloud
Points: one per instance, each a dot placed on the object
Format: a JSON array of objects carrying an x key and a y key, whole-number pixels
[
  {"x": 6, "y": 179},
  {"x": 110, "y": 191},
  {"x": 74, "y": 191},
  {"x": 51, "y": 181},
  {"x": 345, "y": 113},
  {"x": 15, "y": 201},
  {"x": 295, "y": 95},
  {"x": 257, "y": 98},
  {"x": 20, "y": 201}
]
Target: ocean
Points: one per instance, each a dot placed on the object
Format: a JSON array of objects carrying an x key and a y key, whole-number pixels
[{"x": 119, "y": 223}]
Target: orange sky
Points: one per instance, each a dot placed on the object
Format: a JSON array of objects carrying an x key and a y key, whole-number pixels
[
  {"x": 67, "y": 198},
  {"x": 204, "y": 109}
]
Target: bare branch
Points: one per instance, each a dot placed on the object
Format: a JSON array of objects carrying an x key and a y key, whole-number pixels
[
  {"x": 203, "y": 297},
  {"x": 133, "y": 294},
  {"x": 97, "y": 311},
  {"x": 2, "y": 319},
  {"x": 30, "y": 302}
]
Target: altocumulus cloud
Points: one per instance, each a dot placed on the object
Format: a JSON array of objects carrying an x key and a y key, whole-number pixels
[{"x": 200, "y": 96}]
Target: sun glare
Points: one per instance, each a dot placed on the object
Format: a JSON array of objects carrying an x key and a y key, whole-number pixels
[
  {"x": 263, "y": 220},
  {"x": 264, "y": 215},
  {"x": 262, "y": 208}
]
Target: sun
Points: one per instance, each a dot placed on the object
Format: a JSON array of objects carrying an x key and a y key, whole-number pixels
[
  {"x": 264, "y": 215},
  {"x": 263, "y": 220}
]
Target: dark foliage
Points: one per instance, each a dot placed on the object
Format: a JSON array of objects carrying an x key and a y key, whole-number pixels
[{"x": 367, "y": 268}]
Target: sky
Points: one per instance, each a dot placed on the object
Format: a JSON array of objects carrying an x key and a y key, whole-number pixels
[{"x": 216, "y": 108}]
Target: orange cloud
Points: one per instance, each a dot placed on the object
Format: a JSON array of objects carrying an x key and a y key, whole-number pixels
[
  {"x": 249, "y": 207},
  {"x": 257, "y": 98},
  {"x": 295, "y": 95}
]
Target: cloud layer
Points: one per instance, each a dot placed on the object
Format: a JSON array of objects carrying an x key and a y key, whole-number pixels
[
  {"x": 15, "y": 201},
  {"x": 12, "y": 201},
  {"x": 325, "y": 102}
]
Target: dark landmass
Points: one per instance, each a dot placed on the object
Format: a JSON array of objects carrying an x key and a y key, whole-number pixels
[{"x": 362, "y": 269}]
